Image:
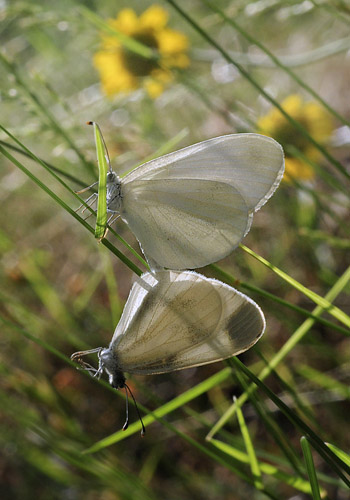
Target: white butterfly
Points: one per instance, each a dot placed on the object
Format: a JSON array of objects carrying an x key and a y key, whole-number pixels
[
  {"x": 193, "y": 207},
  {"x": 174, "y": 320}
]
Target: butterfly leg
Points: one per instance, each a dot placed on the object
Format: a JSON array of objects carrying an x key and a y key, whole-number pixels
[
  {"x": 77, "y": 357},
  {"x": 90, "y": 201},
  {"x": 112, "y": 219}
]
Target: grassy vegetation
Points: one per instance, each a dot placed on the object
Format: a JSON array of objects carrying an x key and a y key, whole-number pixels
[{"x": 273, "y": 423}]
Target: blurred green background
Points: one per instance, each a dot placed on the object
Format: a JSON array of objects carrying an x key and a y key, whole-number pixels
[{"x": 225, "y": 68}]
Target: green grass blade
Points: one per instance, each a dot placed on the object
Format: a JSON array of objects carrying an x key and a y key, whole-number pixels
[
  {"x": 57, "y": 170},
  {"x": 33, "y": 338},
  {"x": 266, "y": 468},
  {"x": 101, "y": 218},
  {"x": 318, "y": 235},
  {"x": 259, "y": 88},
  {"x": 49, "y": 118},
  {"x": 271, "y": 426},
  {"x": 276, "y": 61},
  {"x": 333, "y": 460},
  {"x": 58, "y": 200},
  {"x": 129, "y": 42},
  {"x": 325, "y": 304},
  {"x": 323, "y": 380},
  {"x": 48, "y": 168},
  {"x": 229, "y": 279},
  {"x": 167, "y": 408},
  {"x": 345, "y": 457},
  {"x": 310, "y": 467},
  {"x": 297, "y": 336},
  {"x": 253, "y": 462}
]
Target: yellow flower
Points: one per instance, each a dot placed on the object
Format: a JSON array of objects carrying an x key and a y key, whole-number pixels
[
  {"x": 313, "y": 118},
  {"x": 123, "y": 70}
]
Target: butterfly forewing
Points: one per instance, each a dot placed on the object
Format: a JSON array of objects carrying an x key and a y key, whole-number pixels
[
  {"x": 252, "y": 163},
  {"x": 183, "y": 320}
]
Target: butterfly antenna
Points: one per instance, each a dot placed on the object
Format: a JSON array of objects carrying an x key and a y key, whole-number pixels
[
  {"x": 81, "y": 191},
  {"x": 143, "y": 430},
  {"x": 126, "y": 425}
]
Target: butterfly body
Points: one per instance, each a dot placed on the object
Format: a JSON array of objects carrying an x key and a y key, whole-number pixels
[
  {"x": 175, "y": 320},
  {"x": 114, "y": 194}
]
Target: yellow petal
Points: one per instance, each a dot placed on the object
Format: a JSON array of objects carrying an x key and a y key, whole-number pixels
[
  {"x": 154, "y": 88},
  {"x": 172, "y": 42},
  {"x": 127, "y": 22},
  {"x": 177, "y": 61},
  {"x": 270, "y": 123},
  {"x": 297, "y": 169},
  {"x": 114, "y": 77},
  {"x": 320, "y": 122},
  {"x": 155, "y": 18},
  {"x": 292, "y": 104}
]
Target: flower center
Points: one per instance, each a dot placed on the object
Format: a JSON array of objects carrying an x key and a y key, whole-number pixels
[
  {"x": 287, "y": 134},
  {"x": 137, "y": 64}
]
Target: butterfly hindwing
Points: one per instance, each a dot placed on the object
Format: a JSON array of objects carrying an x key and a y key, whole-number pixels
[
  {"x": 185, "y": 224},
  {"x": 180, "y": 320}
]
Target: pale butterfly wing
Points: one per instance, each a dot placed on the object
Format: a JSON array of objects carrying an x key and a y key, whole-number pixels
[
  {"x": 176, "y": 320},
  {"x": 193, "y": 207},
  {"x": 252, "y": 163},
  {"x": 183, "y": 223}
]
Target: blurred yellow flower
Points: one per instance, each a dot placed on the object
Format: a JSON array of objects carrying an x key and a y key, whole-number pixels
[
  {"x": 313, "y": 118},
  {"x": 123, "y": 70}
]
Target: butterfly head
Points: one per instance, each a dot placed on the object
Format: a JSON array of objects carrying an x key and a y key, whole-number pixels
[
  {"x": 112, "y": 177},
  {"x": 108, "y": 362}
]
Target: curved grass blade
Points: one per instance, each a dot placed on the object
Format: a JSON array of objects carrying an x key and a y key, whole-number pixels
[
  {"x": 127, "y": 41},
  {"x": 204, "y": 34},
  {"x": 48, "y": 169},
  {"x": 58, "y": 200},
  {"x": 327, "y": 454},
  {"x": 340, "y": 453},
  {"x": 57, "y": 170},
  {"x": 164, "y": 410},
  {"x": 103, "y": 167},
  {"x": 310, "y": 467},
  {"x": 276, "y": 60},
  {"x": 266, "y": 468},
  {"x": 325, "y": 304},
  {"x": 271, "y": 426},
  {"x": 230, "y": 280},
  {"x": 43, "y": 110},
  {"x": 253, "y": 461},
  {"x": 297, "y": 336}
]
